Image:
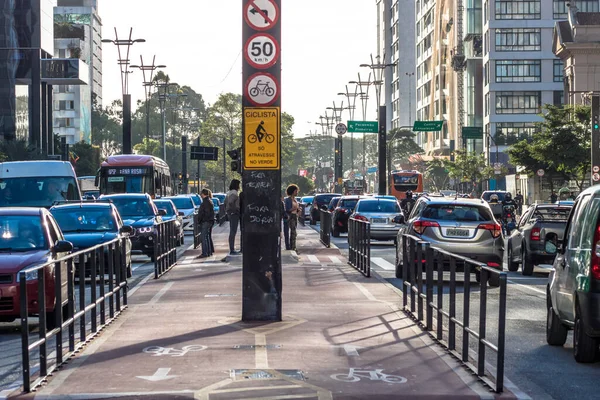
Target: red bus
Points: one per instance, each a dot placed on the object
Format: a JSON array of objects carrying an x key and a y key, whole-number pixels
[
  {"x": 402, "y": 181},
  {"x": 354, "y": 186},
  {"x": 133, "y": 173}
]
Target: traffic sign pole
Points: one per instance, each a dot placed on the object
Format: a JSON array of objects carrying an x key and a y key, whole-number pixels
[{"x": 261, "y": 148}]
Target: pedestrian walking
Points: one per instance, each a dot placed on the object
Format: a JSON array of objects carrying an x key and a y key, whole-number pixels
[
  {"x": 232, "y": 207},
  {"x": 519, "y": 201},
  {"x": 206, "y": 217},
  {"x": 211, "y": 244},
  {"x": 286, "y": 223},
  {"x": 292, "y": 209}
]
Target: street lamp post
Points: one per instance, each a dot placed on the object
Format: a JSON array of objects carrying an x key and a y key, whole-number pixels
[
  {"x": 150, "y": 68},
  {"x": 123, "y": 61},
  {"x": 163, "y": 90},
  {"x": 364, "y": 100},
  {"x": 351, "y": 96},
  {"x": 378, "y": 68}
]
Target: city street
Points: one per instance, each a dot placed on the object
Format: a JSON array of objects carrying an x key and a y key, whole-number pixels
[{"x": 540, "y": 371}]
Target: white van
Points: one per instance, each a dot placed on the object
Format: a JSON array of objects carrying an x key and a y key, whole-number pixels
[{"x": 37, "y": 183}]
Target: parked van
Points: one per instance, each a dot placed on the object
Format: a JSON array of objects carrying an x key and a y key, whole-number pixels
[{"x": 37, "y": 183}]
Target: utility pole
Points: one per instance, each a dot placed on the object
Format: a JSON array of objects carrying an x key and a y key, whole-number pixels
[
  {"x": 184, "y": 168},
  {"x": 148, "y": 83},
  {"x": 224, "y": 165},
  {"x": 595, "y": 173}
]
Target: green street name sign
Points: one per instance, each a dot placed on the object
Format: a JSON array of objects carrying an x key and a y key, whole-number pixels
[
  {"x": 428, "y": 126},
  {"x": 363, "y": 126},
  {"x": 472, "y": 132}
]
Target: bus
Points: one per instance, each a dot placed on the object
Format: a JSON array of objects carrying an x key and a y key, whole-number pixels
[
  {"x": 134, "y": 173},
  {"x": 87, "y": 186},
  {"x": 37, "y": 183},
  {"x": 404, "y": 180},
  {"x": 354, "y": 186}
]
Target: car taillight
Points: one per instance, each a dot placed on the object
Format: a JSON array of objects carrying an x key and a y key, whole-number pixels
[
  {"x": 342, "y": 209},
  {"x": 495, "y": 229},
  {"x": 596, "y": 254},
  {"x": 419, "y": 226},
  {"x": 535, "y": 234},
  {"x": 360, "y": 217}
]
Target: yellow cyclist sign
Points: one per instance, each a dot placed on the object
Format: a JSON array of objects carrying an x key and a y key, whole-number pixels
[{"x": 262, "y": 138}]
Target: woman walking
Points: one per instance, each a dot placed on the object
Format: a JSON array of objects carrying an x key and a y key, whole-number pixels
[
  {"x": 292, "y": 210},
  {"x": 211, "y": 246},
  {"x": 232, "y": 206}
]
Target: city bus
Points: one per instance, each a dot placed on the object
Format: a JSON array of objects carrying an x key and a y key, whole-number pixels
[
  {"x": 403, "y": 180},
  {"x": 354, "y": 186},
  {"x": 134, "y": 173},
  {"x": 37, "y": 183}
]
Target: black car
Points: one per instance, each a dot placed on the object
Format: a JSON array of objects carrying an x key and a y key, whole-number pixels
[
  {"x": 320, "y": 202},
  {"x": 139, "y": 211},
  {"x": 172, "y": 213},
  {"x": 333, "y": 204},
  {"x": 341, "y": 214},
  {"x": 89, "y": 224}
]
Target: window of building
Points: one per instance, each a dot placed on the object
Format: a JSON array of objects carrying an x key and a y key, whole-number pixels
[
  {"x": 487, "y": 104},
  {"x": 70, "y": 104},
  {"x": 518, "y": 70},
  {"x": 518, "y": 39},
  {"x": 561, "y": 11},
  {"x": 559, "y": 98},
  {"x": 486, "y": 73},
  {"x": 508, "y": 133},
  {"x": 558, "y": 70},
  {"x": 68, "y": 122},
  {"x": 518, "y": 9},
  {"x": 518, "y": 102}
]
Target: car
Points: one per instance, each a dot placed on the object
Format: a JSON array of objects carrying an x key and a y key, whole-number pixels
[
  {"x": 139, "y": 211},
  {"x": 89, "y": 224},
  {"x": 216, "y": 208},
  {"x": 526, "y": 244},
  {"x": 384, "y": 215},
  {"x": 308, "y": 200},
  {"x": 220, "y": 196},
  {"x": 332, "y": 204},
  {"x": 186, "y": 205},
  {"x": 30, "y": 236},
  {"x": 196, "y": 199},
  {"x": 172, "y": 213},
  {"x": 565, "y": 202},
  {"x": 573, "y": 290},
  {"x": 320, "y": 202},
  {"x": 488, "y": 193},
  {"x": 341, "y": 213},
  {"x": 465, "y": 227}
]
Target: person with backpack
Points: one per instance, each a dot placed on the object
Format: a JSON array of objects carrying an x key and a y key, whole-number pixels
[{"x": 407, "y": 203}]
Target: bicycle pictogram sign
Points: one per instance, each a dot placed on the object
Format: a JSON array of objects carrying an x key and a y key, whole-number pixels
[
  {"x": 260, "y": 134},
  {"x": 262, "y": 89}
]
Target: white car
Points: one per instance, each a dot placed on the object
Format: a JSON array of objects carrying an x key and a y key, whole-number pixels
[
  {"x": 308, "y": 200},
  {"x": 185, "y": 204}
]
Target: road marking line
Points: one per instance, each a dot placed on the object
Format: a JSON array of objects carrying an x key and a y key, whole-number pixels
[
  {"x": 335, "y": 260},
  {"x": 160, "y": 293},
  {"x": 139, "y": 285},
  {"x": 383, "y": 263},
  {"x": 312, "y": 258},
  {"x": 260, "y": 351},
  {"x": 237, "y": 390},
  {"x": 288, "y": 396},
  {"x": 527, "y": 287}
]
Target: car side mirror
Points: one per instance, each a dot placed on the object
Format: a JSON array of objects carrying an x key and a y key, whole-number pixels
[
  {"x": 126, "y": 229},
  {"x": 63, "y": 246},
  {"x": 181, "y": 213},
  {"x": 162, "y": 212}
]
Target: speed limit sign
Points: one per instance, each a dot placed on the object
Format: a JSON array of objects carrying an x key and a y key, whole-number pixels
[{"x": 261, "y": 51}]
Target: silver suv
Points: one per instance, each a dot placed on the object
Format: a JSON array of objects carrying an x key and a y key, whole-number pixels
[{"x": 461, "y": 226}]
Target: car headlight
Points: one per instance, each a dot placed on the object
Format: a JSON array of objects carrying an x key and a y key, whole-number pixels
[
  {"x": 30, "y": 276},
  {"x": 145, "y": 229}
]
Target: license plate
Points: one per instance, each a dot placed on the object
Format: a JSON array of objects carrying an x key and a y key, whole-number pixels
[
  {"x": 379, "y": 220},
  {"x": 457, "y": 232}
]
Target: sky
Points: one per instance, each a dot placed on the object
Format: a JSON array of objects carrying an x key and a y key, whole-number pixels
[{"x": 200, "y": 42}]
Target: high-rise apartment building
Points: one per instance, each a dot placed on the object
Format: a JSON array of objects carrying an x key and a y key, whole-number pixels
[{"x": 77, "y": 34}]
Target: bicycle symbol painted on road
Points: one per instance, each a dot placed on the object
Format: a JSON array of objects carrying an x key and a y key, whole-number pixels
[
  {"x": 261, "y": 134},
  {"x": 354, "y": 375},
  {"x": 158, "y": 351}
]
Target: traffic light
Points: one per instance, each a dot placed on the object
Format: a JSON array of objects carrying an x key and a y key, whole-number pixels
[
  {"x": 595, "y": 115},
  {"x": 235, "y": 154}
]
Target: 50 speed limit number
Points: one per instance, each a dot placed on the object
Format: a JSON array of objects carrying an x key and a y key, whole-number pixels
[{"x": 262, "y": 51}]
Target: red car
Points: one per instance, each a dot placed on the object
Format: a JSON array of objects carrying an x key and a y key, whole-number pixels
[{"x": 30, "y": 237}]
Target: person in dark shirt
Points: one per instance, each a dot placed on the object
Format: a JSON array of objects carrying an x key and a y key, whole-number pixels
[
  {"x": 206, "y": 217},
  {"x": 407, "y": 203}
]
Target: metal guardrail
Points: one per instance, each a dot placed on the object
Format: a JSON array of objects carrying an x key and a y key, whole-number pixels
[
  {"x": 108, "y": 286},
  {"x": 359, "y": 245},
  {"x": 165, "y": 247},
  {"x": 325, "y": 227},
  {"x": 197, "y": 231},
  {"x": 302, "y": 216},
  {"x": 418, "y": 257}
]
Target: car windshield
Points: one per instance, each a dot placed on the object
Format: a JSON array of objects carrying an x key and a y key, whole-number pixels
[
  {"x": 552, "y": 213},
  {"x": 219, "y": 196},
  {"x": 324, "y": 200},
  {"x": 84, "y": 219},
  {"x": 196, "y": 200},
  {"x": 486, "y": 196},
  {"x": 183, "y": 203},
  {"x": 165, "y": 205},
  {"x": 456, "y": 212},
  {"x": 21, "y": 233},
  {"x": 307, "y": 199},
  {"x": 133, "y": 207},
  {"x": 37, "y": 192},
  {"x": 348, "y": 203},
  {"x": 378, "y": 206}
]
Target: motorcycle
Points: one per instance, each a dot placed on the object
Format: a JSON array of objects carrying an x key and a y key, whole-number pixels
[{"x": 508, "y": 219}]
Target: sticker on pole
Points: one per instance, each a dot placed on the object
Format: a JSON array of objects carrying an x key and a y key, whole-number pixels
[
  {"x": 261, "y": 51},
  {"x": 261, "y": 15},
  {"x": 261, "y": 89},
  {"x": 261, "y": 138}
]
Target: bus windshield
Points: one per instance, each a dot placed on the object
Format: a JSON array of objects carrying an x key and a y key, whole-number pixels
[
  {"x": 37, "y": 191},
  {"x": 406, "y": 182},
  {"x": 127, "y": 184}
]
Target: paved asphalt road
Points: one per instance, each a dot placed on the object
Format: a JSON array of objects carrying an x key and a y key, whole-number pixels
[{"x": 538, "y": 370}]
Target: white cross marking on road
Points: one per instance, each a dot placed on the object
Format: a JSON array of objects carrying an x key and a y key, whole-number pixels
[
  {"x": 335, "y": 260},
  {"x": 312, "y": 258}
]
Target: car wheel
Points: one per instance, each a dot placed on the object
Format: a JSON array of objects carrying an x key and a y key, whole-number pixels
[
  {"x": 335, "y": 231},
  {"x": 494, "y": 280},
  {"x": 527, "y": 263},
  {"x": 512, "y": 265},
  {"x": 478, "y": 276},
  {"x": 556, "y": 333},
  {"x": 584, "y": 346},
  {"x": 51, "y": 317},
  {"x": 129, "y": 271}
]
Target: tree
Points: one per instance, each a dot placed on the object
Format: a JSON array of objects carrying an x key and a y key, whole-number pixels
[
  {"x": 18, "y": 150},
  {"x": 107, "y": 132},
  {"x": 305, "y": 185},
  {"x": 85, "y": 158},
  {"x": 402, "y": 146},
  {"x": 469, "y": 168},
  {"x": 436, "y": 175}
]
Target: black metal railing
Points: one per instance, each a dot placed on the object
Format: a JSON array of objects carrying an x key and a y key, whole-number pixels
[
  {"x": 325, "y": 227},
  {"x": 359, "y": 245},
  {"x": 197, "y": 231},
  {"x": 302, "y": 216},
  {"x": 74, "y": 305},
  {"x": 165, "y": 247},
  {"x": 420, "y": 257}
]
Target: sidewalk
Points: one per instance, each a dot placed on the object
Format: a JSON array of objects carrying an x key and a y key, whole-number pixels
[{"x": 342, "y": 337}]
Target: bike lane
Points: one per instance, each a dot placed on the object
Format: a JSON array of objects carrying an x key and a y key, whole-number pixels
[{"x": 341, "y": 337}]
